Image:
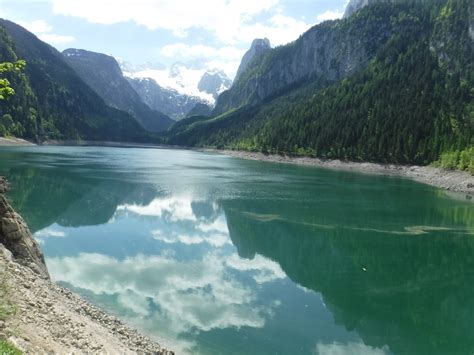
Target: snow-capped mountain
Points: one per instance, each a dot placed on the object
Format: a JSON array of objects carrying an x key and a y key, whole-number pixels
[
  {"x": 214, "y": 82},
  {"x": 202, "y": 84},
  {"x": 169, "y": 101}
]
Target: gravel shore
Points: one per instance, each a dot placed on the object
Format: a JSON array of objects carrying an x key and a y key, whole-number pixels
[
  {"x": 450, "y": 180},
  {"x": 49, "y": 319},
  {"x": 14, "y": 142}
]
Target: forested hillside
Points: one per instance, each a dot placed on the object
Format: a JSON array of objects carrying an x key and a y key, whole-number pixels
[
  {"x": 412, "y": 100},
  {"x": 103, "y": 74},
  {"x": 51, "y": 101}
]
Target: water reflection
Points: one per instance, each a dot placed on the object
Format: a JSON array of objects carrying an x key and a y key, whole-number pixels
[
  {"x": 411, "y": 291},
  {"x": 244, "y": 257},
  {"x": 182, "y": 296}
]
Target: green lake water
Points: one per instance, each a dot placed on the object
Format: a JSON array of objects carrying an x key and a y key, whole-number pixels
[{"x": 215, "y": 255}]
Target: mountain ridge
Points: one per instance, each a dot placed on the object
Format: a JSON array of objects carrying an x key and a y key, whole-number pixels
[
  {"x": 406, "y": 100},
  {"x": 51, "y": 101},
  {"x": 103, "y": 74}
]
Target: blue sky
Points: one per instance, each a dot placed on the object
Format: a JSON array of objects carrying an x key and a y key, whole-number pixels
[{"x": 210, "y": 33}]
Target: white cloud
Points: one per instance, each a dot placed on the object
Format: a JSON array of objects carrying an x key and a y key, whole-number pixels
[
  {"x": 43, "y": 30},
  {"x": 37, "y": 26},
  {"x": 53, "y": 38},
  {"x": 171, "y": 209},
  {"x": 230, "y": 21},
  {"x": 233, "y": 23},
  {"x": 349, "y": 349},
  {"x": 280, "y": 29},
  {"x": 182, "y": 50},
  {"x": 192, "y": 296},
  {"x": 223, "y": 17},
  {"x": 329, "y": 15},
  {"x": 263, "y": 270},
  {"x": 216, "y": 240},
  {"x": 50, "y": 233}
]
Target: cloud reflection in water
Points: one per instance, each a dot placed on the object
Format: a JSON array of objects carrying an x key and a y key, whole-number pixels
[{"x": 211, "y": 290}]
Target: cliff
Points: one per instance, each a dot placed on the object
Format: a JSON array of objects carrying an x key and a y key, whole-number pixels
[{"x": 16, "y": 237}]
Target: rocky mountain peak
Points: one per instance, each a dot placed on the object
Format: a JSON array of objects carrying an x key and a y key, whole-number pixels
[
  {"x": 259, "y": 46},
  {"x": 355, "y": 5},
  {"x": 260, "y": 43},
  {"x": 214, "y": 82}
]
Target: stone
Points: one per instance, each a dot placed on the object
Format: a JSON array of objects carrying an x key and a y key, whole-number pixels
[{"x": 16, "y": 237}]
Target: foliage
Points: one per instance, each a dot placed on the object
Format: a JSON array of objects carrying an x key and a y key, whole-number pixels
[
  {"x": 5, "y": 89},
  {"x": 7, "y": 308},
  {"x": 462, "y": 160},
  {"x": 412, "y": 102}
]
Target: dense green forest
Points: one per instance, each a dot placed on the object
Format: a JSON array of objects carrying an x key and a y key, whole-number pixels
[
  {"x": 413, "y": 101},
  {"x": 51, "y": 101}
]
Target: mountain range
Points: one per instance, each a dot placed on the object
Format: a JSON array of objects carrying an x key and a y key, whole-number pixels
[
  {"x": 52, "y": 101},
  {"x": 392, "y": 81},
  {"x": 103, "y": 74},
  {"x": 175, "y": 91}
]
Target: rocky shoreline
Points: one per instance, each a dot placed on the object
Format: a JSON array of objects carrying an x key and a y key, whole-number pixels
[
  {"x": 450, "y": 180},
  {"x": 38, "y": 316},
  {"x": 14, "y": 142}
]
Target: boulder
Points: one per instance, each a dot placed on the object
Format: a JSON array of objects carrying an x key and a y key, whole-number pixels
[{"x": 16, "y": 237}]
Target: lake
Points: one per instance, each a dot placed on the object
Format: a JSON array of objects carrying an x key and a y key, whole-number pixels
[{"x": 210, "y": 254}]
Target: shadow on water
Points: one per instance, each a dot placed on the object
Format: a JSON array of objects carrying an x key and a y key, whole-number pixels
[{"x": 409, "y": 288}]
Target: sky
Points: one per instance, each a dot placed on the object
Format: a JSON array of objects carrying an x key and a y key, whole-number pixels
[{"x": 206, "y": 33}]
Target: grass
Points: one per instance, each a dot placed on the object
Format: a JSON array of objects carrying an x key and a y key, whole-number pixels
[
  {"x": 7, "y": 348},
  {"x": 7, "y": 308}
]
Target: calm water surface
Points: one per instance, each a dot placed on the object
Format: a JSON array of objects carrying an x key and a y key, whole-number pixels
[{"x": 215, "y": 255}]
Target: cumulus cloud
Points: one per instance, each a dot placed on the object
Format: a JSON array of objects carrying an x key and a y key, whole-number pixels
[
  {"x": 349, "y": 349},
  {"x": 214, "y": 239},
  {"x": 37, "y": 26},
  {"x": 171, "y": 209},
  {"x": 183, "y": 50},
  {"x": 187, "y": 296},
  {"x": 44, "y": 32},
  {"x": 50, "y": 233},
  {"x": 329, "y": 15},
  {"x": 230, "y": 21}
]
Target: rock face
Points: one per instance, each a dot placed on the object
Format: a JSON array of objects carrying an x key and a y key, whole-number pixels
[
  {"x": 328, "y": 52},
  {"x": 258, "y": 47},
  {"x": 168, "y": 101},
  {"x": 355, "y": 5},
  {"x": 16, "y": 237},
  {"x": 214, "y": 83},
  {"x": 103, "y": 74}
]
